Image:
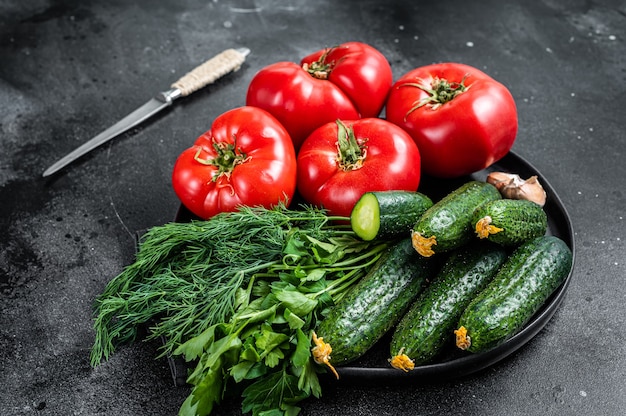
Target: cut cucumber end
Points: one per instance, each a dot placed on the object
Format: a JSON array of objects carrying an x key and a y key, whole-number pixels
[{"x": 365, "y": 217}]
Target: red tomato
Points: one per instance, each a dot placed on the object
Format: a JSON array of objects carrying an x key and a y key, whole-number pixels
[
  {"x": 246, "y": 158},
  {"x": 349, "y": 81},
  {"x": 461, "y": 119},
  {"x": 342, "y": 160}
]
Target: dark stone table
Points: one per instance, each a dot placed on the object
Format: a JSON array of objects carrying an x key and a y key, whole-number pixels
[{"x": 69, "y": 69}]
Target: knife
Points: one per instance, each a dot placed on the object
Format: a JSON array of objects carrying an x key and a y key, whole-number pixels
[{"x": 227, "y": 61}]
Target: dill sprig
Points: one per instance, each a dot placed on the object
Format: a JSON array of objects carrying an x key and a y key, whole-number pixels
[{"x": 186, "y": 275}]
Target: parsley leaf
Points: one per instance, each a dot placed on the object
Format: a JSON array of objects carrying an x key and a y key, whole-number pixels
[{"x": 274, "y": 393}]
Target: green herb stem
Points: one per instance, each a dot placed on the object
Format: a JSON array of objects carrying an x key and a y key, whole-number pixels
[{"x": 358, "y": 261}]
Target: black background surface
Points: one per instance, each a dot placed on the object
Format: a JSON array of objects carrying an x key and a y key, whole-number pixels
[{"x": 69, "y": 69}]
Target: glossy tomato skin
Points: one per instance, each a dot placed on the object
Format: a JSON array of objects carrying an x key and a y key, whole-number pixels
[
  {"x": 469, "y": 133},
  {"x": 264, "y": 176},
  {"x": 361, "y": 72},
  {"x": 299, "y": 101},
  {"x": 356, "y": 85},
  {"x": 392, "y": 162}
]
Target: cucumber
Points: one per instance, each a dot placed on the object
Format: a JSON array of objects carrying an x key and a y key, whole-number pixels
[
  {"x": 427, "y": 327},
  {"x": 448, "y": 223},
  {"x": 521, "y": 286},
  {"x": 510, "y": 222},
  {"x": 388, "y": 214},
  {"x": 372, "y": 306}
]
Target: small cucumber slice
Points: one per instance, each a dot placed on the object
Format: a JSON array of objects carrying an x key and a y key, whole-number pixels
[{"x": 387, "y": 214}]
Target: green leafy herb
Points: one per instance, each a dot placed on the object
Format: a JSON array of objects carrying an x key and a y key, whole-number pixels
[{"x": 238, "y": 295}]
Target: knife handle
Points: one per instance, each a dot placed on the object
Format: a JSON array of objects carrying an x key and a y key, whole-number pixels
[{"x": 228, "y": 61}]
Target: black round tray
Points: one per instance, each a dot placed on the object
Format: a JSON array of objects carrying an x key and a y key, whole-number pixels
[{"x": 373, "y": 367}]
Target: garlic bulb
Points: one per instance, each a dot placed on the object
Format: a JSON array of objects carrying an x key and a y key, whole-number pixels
[{"x": 512, "y": 186}]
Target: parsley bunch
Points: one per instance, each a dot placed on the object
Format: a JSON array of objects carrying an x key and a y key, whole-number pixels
[{"x": 239, "y": 295}]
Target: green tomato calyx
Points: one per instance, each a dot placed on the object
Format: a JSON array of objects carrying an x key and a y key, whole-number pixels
[
  {"x": 439, "y": 90},
  {"x": 227, "y": 157},
  {"x": 351, "y": 152},
  {"x": 320, "y": 69}
]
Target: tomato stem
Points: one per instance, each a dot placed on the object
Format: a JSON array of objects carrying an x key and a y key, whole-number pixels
[
  {"x": 440, "y": 91},
  {"x": 350, "y": 153},
  {"x": 320, "y": 69},
  {"x": 228, "y": 156}
]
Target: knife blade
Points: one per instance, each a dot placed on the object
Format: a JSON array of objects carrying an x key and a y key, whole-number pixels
[{"x": 210, "y": 71}]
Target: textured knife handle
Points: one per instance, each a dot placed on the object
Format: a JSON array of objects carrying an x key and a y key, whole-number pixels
[{"x": 228, "y": 61}]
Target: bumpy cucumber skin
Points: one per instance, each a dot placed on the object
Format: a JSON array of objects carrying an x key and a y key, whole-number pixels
[
  {"x": 521, "y": 286},
  {"x": 520, "y": 220},
  {"x": 426, "y": 328},
  {"x": 397, "y": 211},
  {"x": 450, "y": 219},
  {"x": 376, "y": 303}
]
